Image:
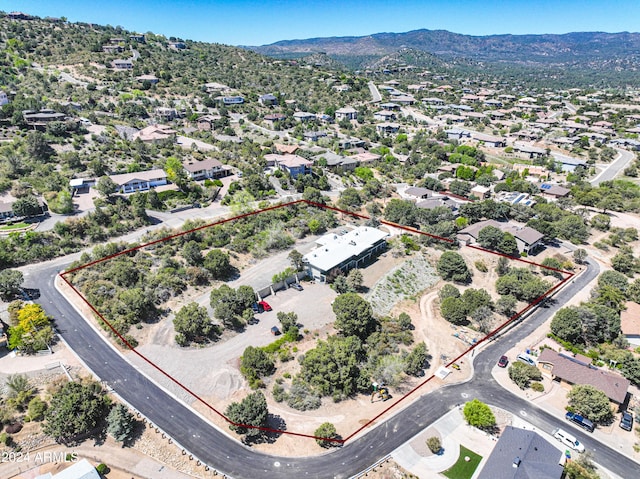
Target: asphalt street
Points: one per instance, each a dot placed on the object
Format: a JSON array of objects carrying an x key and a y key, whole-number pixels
[{"x": 236, "y": 460}]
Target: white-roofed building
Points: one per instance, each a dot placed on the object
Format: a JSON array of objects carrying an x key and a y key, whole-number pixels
[
  {"x": 344, "y": 252},
  {"x": 80, "y": 470}
]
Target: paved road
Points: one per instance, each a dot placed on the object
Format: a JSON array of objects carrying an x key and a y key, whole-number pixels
[
  {"x": 236, "y": 460},
  {"x": 615, "y": 167},
  {"x": 376, "y": 97}
]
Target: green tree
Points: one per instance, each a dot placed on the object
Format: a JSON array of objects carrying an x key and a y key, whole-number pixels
[
  {"x": 580, "y": 255},
  {"x": 625, "y": 262},
  {"x": 416, "y": 361},
  {"x": 581, "y": 468},
  {"x": 508, "y": 244},
  {"x": 354, "y": 316},
  {"x": 324, "y": 433},
  {"x": 10, "y": 283},
  {"x": 350, "y": 199},
  {"x": 490, "y": 237},
  {"x": 402, "y": 212},
  {"x": 26, "y": 206},
  {"x": 75, "y": 409},
  {"x": 479, "y": 415},
  {"x": 249, "y": 416},
  {"x": 506, "y": 305},
  {"x": 454, "y": 310},
  {"x": 448, "y": 291},
  {"x": 37, "y": 408},
  {"x": 192, "y": 323},
  {"x": 601, "y": 222},
  {"x": 106, "y": 187},
  {"x": 332, "y": 368},
  {"x": 192, "y": 253},
  {"x": 631, "y": 370},
  {"x": 255, "y": 363},
  {"x": 20, "y": 390},
  {"x": 452, "y": 267},
  {"x": 354, "y": 280},
  {"x": 217, "y": 262},
  {"x": 522, "y": 374},
  {"x": 288, "y": 321},
  {"x": 296, "y": 260},
  {"x": 567, "y": 324},
  {"x": 120, "y": 423},
  {"x": 503, "y": 266},
  {"x": 591, "y": 403},
  {"x": 37, "y": 147}
]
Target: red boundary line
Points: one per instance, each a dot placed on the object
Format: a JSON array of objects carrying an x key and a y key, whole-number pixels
[{"x": 490, "y": 335}]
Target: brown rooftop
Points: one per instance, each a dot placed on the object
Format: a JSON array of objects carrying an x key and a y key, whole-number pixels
[{"x": 574, "y": 371}]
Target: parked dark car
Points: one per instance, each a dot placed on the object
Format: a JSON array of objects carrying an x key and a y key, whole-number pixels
[
  {"x": 257, "y": 308},
  {"x": 297, "y": 286},
  {"x": 581, "y": 421},
  {"x": 626, "y": 422},
  {"x": 275, "y": 331},
  {"x": 503, "y": 361}
]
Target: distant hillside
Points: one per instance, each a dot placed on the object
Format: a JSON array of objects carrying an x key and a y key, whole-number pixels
[{"x": 591, "y": 49}]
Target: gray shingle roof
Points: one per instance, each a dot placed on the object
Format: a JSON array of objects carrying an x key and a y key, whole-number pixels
[{"x": 538, "y": 459}]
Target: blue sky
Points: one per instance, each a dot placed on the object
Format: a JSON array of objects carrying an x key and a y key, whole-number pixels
[{"x": 255, "y": 22}]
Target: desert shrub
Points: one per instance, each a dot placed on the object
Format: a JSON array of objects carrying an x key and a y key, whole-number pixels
[
  {"x": 279, "y": 393},
  {"x": 537, "y": 387},
  {"x": 434, "y": 444},
  {"x": 302, "y": 398}
]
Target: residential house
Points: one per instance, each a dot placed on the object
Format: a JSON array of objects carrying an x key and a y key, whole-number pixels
[
  {"x": 288, "y": 149},
  {"x": 207, "y": 122},
  {"x": 303, "y": 116},
  {"x": 347, "y": 143},
  {"x": 569, "y": 164},
  {"x": 387, "y": 128},
  {"x": 384, "y": 115},
  {"x": 273, "y": 118},
  {"x": 404, "y": 99},
  {"x": 324, "y": 118},
  {"x": 206, "y": 169},
  {"x": 344, "y": 252},
  {"x": 570, "y": 369},
  {"x": 19, "y": 16},
  {"x": 214, "y": 87},
  {"x": 366, "y": 157},
  {"x": 6, "y": 210},
  {"x": 314, "y": 135},
  {"x": 436, "y": 201},
  {"x": 120, "y": 64},
  {"x": 40, "y": 119},
  {"x": 630, "y": 323},
  {"x": 553, "y": 191},
  {"x": 418, "y": 193},
  {"x": 481, "y": 192},
  {"x": 293, "y": 164},
  {"x": 493, "y": 103},
  {"x": 78, "y": 470},
  {"x": 166, "y": 114},
  {"x": 489, "y": 140},
  {"x": 268, "y": 99},
  {"x": 337, "y": 162},
  {"x": 531, "y": 170},
  {"x": 138, "y": 38},
  {"x": 4, "y": 99},
  {"x": 230, "y": 100},
  {"x": 346, "y": 113},
  {"x": 529, "y": 151},
  {"x": 112, "y": 49},
  {"x": 626, "y": 143},
  {"x": 177, "y": 45},
  {"x": 457, "y": 134},
  {"x": 523, "y": 454},
  {"x": 527, "y": 239},
  {"x": 81, "y": 185},
  {"x": 433, "y": 101},
  {"x": 390, "y": 106},
  {"x": 155, "y": 134},
  {"x": 139, "y": 181},
  {"x": 148, "y": 78}
]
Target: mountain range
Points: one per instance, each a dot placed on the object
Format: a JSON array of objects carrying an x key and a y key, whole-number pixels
[{"x": 595, "y": 50}]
